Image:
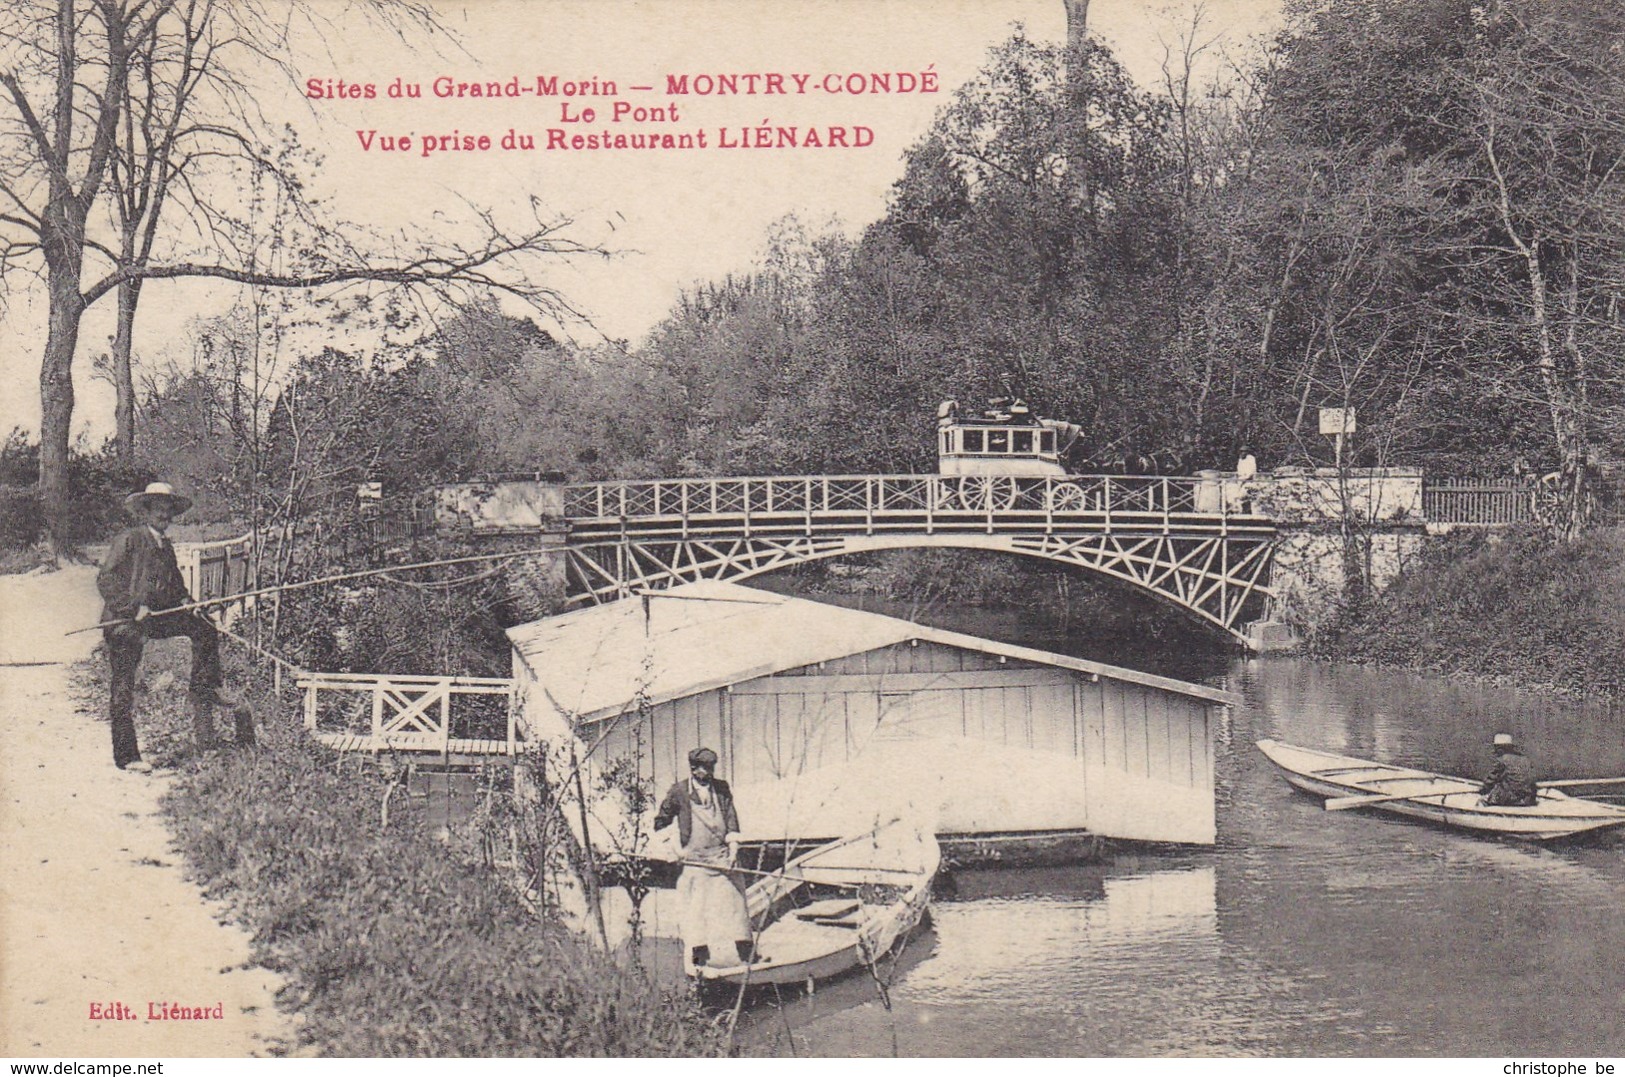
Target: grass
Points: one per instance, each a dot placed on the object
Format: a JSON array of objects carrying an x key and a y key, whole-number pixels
[
  {"x": 391, "y": 942},
  {"x": 15, "y": 561},
  {"x": 1514, "y": 608}
]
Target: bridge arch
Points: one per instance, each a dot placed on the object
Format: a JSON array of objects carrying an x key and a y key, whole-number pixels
[{"x": 1221, "y": 579}]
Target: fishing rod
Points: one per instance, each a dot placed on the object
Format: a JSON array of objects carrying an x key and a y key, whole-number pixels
[
  {"x": 789, "y": 872},
  {"x": 339, "y": 578}
]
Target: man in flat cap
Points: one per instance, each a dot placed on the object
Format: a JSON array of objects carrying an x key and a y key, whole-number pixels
[
  {"x": 714, "y": 917},
  {"x": 139, "y": 580},
  {"x": 1511, "y": 783}
]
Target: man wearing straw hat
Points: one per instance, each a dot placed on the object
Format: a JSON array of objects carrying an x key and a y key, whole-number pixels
[
  {"x": 139, "y": 580},
  {"x": 1511, "y": 783},
  {"x": 714, "y": 915}
]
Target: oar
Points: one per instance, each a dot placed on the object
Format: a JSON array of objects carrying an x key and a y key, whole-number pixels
[{"x": 1343, "y": 803}]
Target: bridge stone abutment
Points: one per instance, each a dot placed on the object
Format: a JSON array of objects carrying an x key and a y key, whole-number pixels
[
  {"x": 522, "y": 514},
  {"x": 1336, "y": 531}
]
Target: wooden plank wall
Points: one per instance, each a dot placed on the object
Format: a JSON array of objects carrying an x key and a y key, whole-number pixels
[{"x": 782, "y": 725}]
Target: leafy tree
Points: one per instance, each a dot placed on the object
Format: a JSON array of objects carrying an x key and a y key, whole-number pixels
[{"x": 1487, "y": 136}]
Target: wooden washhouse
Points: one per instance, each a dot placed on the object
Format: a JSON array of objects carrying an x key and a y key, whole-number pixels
[{"x": 829, "y": 720}]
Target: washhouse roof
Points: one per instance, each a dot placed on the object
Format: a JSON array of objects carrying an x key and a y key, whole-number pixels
[{"x": 708, "y": 635}]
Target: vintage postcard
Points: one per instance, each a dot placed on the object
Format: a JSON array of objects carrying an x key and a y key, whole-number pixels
[{"x": 856, "y": 528}]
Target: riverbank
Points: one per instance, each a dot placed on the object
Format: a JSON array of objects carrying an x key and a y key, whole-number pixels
[
  {"x": 95, "y": 906},
  {"x": 1509, "y": 607},
  {"x": 392, "y": 940},
  {"x": 275, "y": 888}
]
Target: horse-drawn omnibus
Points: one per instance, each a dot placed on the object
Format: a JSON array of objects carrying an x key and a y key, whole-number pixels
[{"x": 989, "y": 453}]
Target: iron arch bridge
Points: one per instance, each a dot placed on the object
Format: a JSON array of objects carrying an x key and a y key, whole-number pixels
[{"x": 1157, "y": 533}]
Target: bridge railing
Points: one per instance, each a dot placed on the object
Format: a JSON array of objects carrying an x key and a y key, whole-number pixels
[
  {"x": 878, "y": 495},
  {"x": 449, "y": 716}
]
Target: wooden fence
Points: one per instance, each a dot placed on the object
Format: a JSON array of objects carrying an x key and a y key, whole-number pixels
[
  {"x": 1478, "y": 502},
  {"x": 217, "y": 569},
  {"x": 1496, "y": 502}
]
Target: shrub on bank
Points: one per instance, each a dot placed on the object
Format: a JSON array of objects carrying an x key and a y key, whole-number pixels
[
  {"x": 392, "y": 943},
  {"x": 1513, "y": 606},
  {"x": 97, "y": 483}
]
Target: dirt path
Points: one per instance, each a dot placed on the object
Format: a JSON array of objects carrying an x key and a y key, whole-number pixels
[{"x": 94, "y": 907}]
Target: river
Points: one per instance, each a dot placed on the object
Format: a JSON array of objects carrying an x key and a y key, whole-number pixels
[{"x": 1302, "y": 932}]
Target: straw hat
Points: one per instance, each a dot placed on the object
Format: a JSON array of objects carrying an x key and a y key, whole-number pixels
[
  {"x": 156, "y": 493},
  {"x": 1503, "y": 740}
]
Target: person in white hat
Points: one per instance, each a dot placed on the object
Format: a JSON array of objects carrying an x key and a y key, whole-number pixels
[
  {"x": 138, "y": 581},
  {"x": 1512, "y": 780}
]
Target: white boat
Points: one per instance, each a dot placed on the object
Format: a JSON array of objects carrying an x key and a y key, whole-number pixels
[
  {"x": 1438, "y": 798},
  {"x": 844, "y": 904}
]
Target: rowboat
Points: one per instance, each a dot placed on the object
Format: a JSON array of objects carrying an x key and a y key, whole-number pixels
[
  {"x": 1438, "y": 798},
  {"x": 844, "y": 904}
]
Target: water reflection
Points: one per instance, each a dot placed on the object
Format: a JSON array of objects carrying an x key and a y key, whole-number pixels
[
  {"x": 1023, "y": 944},
  {"x": 1303, "y": 932},
  {"x": 1423, "y": 721}
]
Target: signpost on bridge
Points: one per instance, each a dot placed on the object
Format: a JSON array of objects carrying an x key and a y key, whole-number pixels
[{"x": 1335, "y": 422}]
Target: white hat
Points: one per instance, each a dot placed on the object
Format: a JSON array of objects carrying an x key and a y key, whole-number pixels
[
  {"x": 154, "y": 493},
  {"x": 1503, "y": 740}
]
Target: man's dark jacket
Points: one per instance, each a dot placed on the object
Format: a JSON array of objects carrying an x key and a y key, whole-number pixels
[
  {"x": 140, "y": 570},
  {"x": 679, "y": 805},
  {"x": 1511, "y": 782}
]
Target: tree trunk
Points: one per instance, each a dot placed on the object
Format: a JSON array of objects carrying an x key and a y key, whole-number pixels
[
  {"x": 56, "y": 386},
  {"x": 1573, "y": 496},
  {"x": 1077, "y": 23},
  {"x": 1077, "y": 44},
  {"x": 129, "y": 297}
]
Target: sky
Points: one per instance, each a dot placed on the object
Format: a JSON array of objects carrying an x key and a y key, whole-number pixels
[{"x": 672, "y": 217}]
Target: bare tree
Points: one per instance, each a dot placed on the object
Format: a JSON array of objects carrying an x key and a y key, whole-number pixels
[
  {"x": 1546, "y": 130},
  {"x": 143, "y": 93}
]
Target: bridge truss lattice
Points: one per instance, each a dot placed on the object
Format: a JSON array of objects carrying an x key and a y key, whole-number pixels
[{"x": 1163, "y": 534}]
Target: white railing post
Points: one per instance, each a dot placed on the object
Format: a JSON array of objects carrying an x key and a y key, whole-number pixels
[
  {"x": 445, "y": 715},
  {"x": 513, "y": 719}
]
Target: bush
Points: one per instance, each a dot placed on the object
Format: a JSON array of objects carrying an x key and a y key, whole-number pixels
[
  {"x": 21, "y": 522},
  {"x": 1515, "y": 606},
  {"x": 391, "y": 945},
  {"x": 97, "y": 485}
]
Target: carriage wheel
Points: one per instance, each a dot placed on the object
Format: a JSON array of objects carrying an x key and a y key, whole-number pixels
[
  {"x": 987, "y": 493},
  {"x": 1548, "y": 500},
  {"x": 1066, "y": 497}
]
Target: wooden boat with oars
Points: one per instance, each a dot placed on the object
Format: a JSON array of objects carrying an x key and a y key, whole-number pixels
[
  {"x": 844, "y": 904},
  {"x": 1439, "y": 798}
]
